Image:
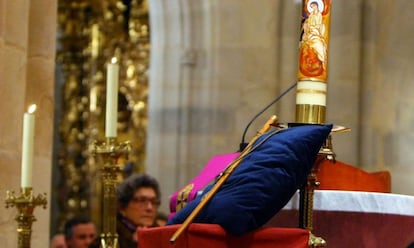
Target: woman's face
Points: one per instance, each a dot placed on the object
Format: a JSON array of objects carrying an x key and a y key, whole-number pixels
[{"x": 142, "y": 208}]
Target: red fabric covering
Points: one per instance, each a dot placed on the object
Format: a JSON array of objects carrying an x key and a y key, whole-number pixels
[
  {"x": 212, "y": 235},
  {"x": 354, "y": 229}
]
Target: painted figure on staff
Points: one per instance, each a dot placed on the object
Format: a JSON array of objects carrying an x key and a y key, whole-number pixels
[{"x": 314, "y": 44}]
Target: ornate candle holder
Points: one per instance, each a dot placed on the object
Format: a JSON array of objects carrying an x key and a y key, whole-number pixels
[
  {"x": 25, "y": 204},
  {"x": 110, "y": 151}
]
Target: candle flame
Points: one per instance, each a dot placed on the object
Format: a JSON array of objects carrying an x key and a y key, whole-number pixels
[
  {"x": 113, "y": 60},
  {"x": 32, "y": 109}
]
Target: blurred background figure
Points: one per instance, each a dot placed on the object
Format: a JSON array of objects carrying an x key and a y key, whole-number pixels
[
  {"x": 138, "y": 201},
  {"x": 161, "y": 219},
  {"x": 80, "y": 232},
  {"x": 58, "y": 241}
]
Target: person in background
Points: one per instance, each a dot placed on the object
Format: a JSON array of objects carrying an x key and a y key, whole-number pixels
[
  {"x": 58, "y": 241},
  {"x": 138, "y": 199},
  {"x": 161, "y": 219},
  {"x": 80, "y": 232}
]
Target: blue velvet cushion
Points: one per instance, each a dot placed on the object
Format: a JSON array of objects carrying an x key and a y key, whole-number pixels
[{"x": 264, "y": 181}]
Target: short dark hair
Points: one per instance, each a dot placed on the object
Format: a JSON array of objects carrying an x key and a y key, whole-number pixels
[
  {"x": 74, "y": 221},
  {"x": 127, "y": 188}
]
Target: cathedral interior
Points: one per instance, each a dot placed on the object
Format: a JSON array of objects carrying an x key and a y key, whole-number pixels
[{"x": 192, "y": 74}]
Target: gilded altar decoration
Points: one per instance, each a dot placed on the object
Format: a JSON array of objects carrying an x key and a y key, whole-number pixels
[
  {"x": 91, "y": 33},
  {"x": 313, "y": 62}
]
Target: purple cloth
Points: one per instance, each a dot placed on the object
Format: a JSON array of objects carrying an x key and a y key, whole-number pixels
[{"x": 187, "y": 193}]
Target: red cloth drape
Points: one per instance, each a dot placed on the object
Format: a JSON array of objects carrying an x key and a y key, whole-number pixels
[{"x": 212, "y": 235}]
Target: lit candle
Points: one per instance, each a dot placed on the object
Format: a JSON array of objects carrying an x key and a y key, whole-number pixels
[
  {"x": 111, "y": 118},
  {"x": 313, "y": 62},
  {"x": 27, "y": 147}
]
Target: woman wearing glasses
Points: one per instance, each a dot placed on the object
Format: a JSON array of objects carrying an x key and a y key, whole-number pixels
[{"x": 138, "y": 201}]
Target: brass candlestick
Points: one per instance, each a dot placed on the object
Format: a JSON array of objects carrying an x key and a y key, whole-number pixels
[
  {"x": 110, "y": 151},
  {"x": 25, "y": 204},
  {"x": 312, "y": 183},
  {"x": 307, "y": 195}
]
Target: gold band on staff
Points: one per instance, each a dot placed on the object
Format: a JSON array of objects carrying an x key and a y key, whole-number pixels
[
  {"x": 272, "y": 120},
  {"x": 311, "y": 114},
  {"x": 310, "y": 91}
]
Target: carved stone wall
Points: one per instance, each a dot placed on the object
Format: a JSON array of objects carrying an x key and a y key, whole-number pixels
[{"x": 27, "y": 61}]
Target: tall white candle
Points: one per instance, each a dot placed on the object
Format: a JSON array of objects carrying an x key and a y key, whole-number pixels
[
  {"x": 27, "y": 147},
  {"x": 111, "y": 118}
]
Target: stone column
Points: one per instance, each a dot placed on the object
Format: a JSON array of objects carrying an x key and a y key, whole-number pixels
[{"x": 27, "y": 48}]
